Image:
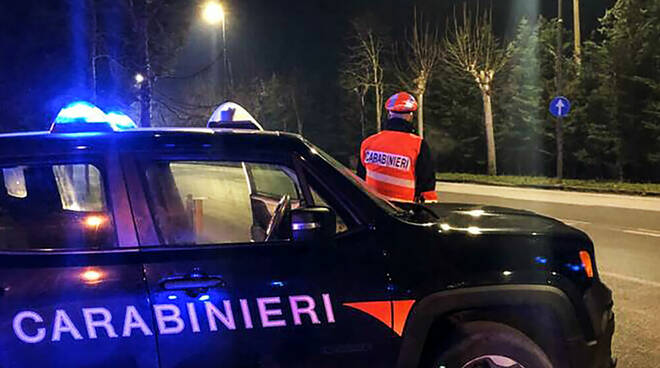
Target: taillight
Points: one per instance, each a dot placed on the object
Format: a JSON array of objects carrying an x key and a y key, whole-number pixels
[{"x": 585, "y": 257}]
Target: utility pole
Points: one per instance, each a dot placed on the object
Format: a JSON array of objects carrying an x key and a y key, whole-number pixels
[
  {"x": 146, "y": 87},
  {"x": 225, "y": 66},
  {"x": 559, "y": 129},
  {"x": 95, "y": 48},
  {"x": 577, "y": 32}
]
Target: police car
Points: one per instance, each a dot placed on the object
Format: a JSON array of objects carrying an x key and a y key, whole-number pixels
[{"x": 234, "y": 247}]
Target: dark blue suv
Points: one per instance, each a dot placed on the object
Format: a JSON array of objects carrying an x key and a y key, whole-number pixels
[{"x": 243, "y": 248}]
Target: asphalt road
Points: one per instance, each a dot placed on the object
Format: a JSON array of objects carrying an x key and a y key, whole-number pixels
[{"x": 626, "y": 234}]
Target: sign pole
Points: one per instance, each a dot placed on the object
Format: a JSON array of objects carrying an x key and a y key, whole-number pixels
[
  {"x": 559, "y": 127},
  {"x": 560, "y": 147}
]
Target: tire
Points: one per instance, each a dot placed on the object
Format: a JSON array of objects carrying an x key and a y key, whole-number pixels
[{"x": 491, "y": 345}]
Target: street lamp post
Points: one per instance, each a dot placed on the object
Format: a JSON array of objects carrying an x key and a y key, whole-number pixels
[
  {"x": 214, "y": 14},
  {"x": 577, "y": 31},
  {"x": 225, "y": 58},
  {"x": 559, "y": 129}
]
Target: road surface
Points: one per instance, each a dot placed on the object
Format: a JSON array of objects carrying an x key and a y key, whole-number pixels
[{"x": 626, "y": 234}]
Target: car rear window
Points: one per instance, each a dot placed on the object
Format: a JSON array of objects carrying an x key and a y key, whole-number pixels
[{"x": 54, "y": 206}]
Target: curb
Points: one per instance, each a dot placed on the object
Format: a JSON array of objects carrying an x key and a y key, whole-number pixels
[{"x": 558, "y": 187}]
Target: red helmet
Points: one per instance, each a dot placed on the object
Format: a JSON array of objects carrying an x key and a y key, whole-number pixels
[{"x": 401, "y": 102}]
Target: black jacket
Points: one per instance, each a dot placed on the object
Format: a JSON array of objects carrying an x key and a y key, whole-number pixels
[{"x": 424, "y": 168}]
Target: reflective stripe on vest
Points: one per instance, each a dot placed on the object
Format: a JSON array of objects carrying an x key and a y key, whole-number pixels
[
  {"x": 389, "y": 158},
  {"x": 391, "y": 191},
  {"x": 391, "y": 179}
]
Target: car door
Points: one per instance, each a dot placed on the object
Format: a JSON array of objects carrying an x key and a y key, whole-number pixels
[
  {"x": 71, "y": 282},
  {"x": 225, "y": 297}
]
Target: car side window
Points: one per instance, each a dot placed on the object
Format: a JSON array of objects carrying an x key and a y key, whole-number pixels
[
  {"x": 205, "y": 202},
  {"x": 319, "y": 201},
  {"x": 266, "y": 182},
  {"x": 270, "y": 181},
  {"x": 54, "y": 206}
]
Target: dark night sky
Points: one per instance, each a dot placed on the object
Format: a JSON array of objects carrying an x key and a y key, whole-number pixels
[
  {"x": 38, "y": 63},
  {"x": 312, "y": 33}
]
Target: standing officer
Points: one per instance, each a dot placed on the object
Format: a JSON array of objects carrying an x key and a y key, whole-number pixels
[{"x": 396, "y": 162}]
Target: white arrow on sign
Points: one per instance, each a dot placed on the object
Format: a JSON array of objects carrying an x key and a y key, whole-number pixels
[{"x": 560, "y": 106}]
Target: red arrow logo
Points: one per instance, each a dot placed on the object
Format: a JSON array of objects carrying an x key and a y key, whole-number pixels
[{"x": 391, "y": 313}]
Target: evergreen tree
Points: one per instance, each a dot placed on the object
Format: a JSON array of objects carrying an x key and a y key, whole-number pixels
[
  {"x": 455, "y": 123},
  {"x": 596, "y": 142},
  {"x": 621, "y": 88},
  {"x": 520, "y": 133}
]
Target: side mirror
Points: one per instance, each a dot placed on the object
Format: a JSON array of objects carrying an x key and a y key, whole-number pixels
[{"x": 313, "y": 224}]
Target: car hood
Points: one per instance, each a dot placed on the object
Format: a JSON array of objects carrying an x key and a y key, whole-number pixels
[{"x": 480, "y": 219}]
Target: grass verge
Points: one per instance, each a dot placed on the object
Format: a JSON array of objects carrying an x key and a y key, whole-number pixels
[{"x": 646, "y": 189}]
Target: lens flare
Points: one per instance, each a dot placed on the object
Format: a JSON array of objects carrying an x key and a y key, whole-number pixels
[
  {"x": 91, "y": 276},
  {"x": 212, "y": 13},
  {"x": 474, "y": 230},
  {"x": 94, "y": 221}
]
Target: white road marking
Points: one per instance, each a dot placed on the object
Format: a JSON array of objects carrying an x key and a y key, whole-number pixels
[
  {"x": 643, "y": 232},
  {"x": 631, "y": 278},
  {"x": 554, "y": 196},
  {"x": 574, "y": 222}
]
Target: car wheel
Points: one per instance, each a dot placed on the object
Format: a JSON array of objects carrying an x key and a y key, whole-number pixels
[{"x": 491, "y": 345}]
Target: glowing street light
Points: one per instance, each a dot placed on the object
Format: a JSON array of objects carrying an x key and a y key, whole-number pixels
[
  {"x": 212, "y": 13},
  {"x": 139, "y": 78}
]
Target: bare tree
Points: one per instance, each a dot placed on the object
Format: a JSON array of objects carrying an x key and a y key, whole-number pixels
[
  {"x": 148, "y": 45},
  {"x": 472, "y": 48},
  {"x": 423, "y": 52},
  {"x": 361, "y": 92},
  {"x": 355, "y": 79},
  {"x": 296, "y": 90},
  {"x": 296, "y": 110},
  {"x": 363, "y": 70}
]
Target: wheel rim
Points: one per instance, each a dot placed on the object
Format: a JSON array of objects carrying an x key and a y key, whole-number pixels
[{"x": 492, "y": 361}]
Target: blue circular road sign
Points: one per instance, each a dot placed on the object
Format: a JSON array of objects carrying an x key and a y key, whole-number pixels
[{"x": 560, "y": 107}]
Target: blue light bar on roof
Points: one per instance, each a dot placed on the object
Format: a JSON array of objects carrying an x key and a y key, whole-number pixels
[
  {"x": 120, "y": 121},
  {"x": 80, "y": 112},
  {"x": 83, "y": 117}
]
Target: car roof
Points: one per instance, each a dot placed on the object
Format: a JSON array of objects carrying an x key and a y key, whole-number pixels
[{"x": 46, "y": 143}]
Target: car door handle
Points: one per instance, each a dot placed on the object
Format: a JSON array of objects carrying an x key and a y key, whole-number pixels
[{"x": 193, "y": 281}]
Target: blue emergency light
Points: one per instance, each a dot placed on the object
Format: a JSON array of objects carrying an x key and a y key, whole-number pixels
[
  {"x": 84, "y": 117},
  {"x": 120, "y": 121}
]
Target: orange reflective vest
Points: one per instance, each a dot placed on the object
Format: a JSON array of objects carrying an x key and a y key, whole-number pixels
[{"x": 389, "y": 158}]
